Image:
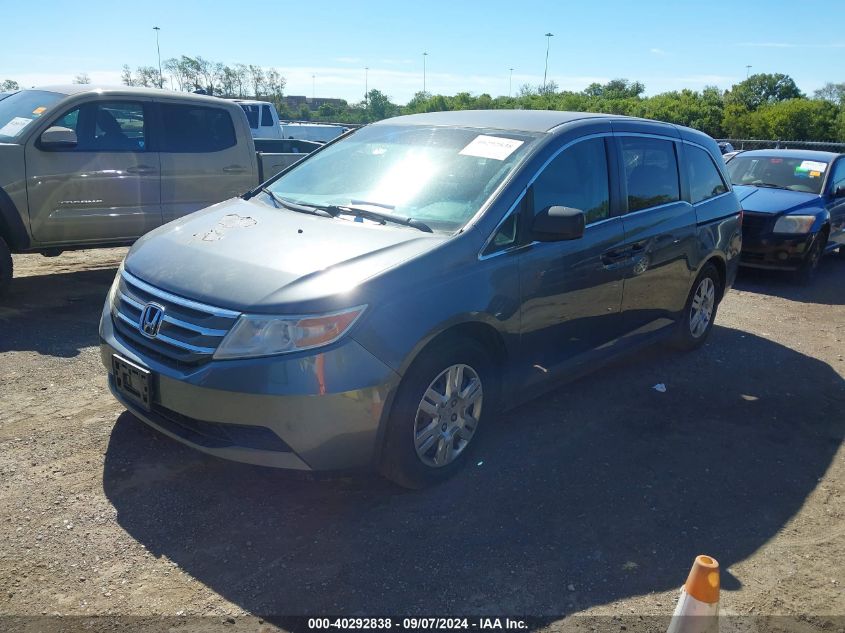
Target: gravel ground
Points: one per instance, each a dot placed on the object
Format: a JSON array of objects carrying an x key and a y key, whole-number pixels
[{"x": 591, "y": 500}]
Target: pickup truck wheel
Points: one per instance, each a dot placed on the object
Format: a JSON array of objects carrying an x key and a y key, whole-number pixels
[
  {"x": 810, "y": 266},
  {"x": 437, "y": 413},
  {"x": 700, "y": 310},
  {"x": 5, "y": 266}
]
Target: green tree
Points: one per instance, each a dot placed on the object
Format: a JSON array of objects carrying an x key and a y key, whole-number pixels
[
  {"x": 8, "y": 85},
  {"x": 82, "y": 78},
  {"x": 379, "y": 105},
  {"x": 763, "y": 88},
  {"x": 835, "y": 93}
]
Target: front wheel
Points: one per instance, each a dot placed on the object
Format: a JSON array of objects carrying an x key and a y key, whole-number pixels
[
  {"x": 5, "y": 266},
  {"x": 810, "y": 265},
  {"x": 442, "y": 401},
  {"x": 700, "y": 310}
]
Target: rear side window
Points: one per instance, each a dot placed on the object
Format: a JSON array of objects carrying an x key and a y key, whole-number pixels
[
  {"x": 251, "y": 115},
  {"x": 576, "y": 178},
  {"x": 189, "y": 128},
  {"x": 266, "y": 116},
  {"x": 705, "y": 181},
  {"x": 651, "y": 172}
]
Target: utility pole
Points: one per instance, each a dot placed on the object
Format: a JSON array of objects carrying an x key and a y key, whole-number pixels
[
  {"x": 424, "y": 56},
  {"x": 158, "y": 51},
  {"x": 510, "y": 83},
  {"x": 549, "y": 37}
]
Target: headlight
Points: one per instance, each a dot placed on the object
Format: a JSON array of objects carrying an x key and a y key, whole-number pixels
[
  {"x": 113, "y": 290},
  {"x": 794, "y": 224},
  {"x": 260, "y": 335}
]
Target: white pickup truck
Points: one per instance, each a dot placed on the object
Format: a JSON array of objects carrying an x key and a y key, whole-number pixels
[
  {"x": 84, "y": 167},
  {"x": 264, "y": 123}
]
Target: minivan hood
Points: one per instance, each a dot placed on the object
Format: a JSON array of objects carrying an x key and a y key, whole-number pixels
[
  {"x": 773, "y": 201},
  {"x": 247, "y": 256}
]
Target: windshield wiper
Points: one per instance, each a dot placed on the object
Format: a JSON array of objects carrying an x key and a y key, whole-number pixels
[
  {"x": 769, "y": 185},
  {"x": 295, "y": 206},
  {"x": 335, "y": 209}
]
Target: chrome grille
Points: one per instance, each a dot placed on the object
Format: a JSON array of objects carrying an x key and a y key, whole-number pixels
[{"x": 190, "y": 331}]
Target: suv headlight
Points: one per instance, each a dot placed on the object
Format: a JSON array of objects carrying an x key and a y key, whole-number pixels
[
  {"x": 261, "y": 335},
  {"x": 794, "y": 224},
  {"x": 113, "y": 290}
]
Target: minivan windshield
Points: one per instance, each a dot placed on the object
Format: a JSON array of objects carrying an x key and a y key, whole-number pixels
[
  {"x": 438, "y": 175},
  {"x": 778, "y": 172},
  {"x": 19, "y": 110}
]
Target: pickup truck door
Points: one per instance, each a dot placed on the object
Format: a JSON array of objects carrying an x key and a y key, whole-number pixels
[
  {"x": 206, "y": 157},
  {"x": 104, "y": 189}
]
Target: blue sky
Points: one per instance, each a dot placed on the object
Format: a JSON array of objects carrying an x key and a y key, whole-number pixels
[{"x": 471, "y": 45}]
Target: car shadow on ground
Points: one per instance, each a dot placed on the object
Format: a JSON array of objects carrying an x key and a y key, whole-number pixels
[
  {"x": 56, "y": 314},
  {"x": 827, "y": 288},
  {"x": 601, "y": 490}
]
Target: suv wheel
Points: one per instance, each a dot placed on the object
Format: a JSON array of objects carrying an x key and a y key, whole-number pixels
[
  {"x": 5, "y": 266},
  {"x": 441, "y": 402},
  {"x": 810, "y": 265},
  {"x": 700, "y": 310}
]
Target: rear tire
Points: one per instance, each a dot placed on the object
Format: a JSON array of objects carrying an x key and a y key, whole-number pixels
[
  {"x": 433, "y": 425},
  {"x": 700, "y": 310},
  {"x": 5, "y": 267}
]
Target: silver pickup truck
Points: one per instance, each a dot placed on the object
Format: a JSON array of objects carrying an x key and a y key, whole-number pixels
[{"x": 85, "y": 167}]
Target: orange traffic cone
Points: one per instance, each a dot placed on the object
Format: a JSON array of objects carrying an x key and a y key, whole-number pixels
[{"x": 698, "y": 606}]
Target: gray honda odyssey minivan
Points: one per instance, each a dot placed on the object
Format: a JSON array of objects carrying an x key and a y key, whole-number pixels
[{"x": 376, "y": 303}]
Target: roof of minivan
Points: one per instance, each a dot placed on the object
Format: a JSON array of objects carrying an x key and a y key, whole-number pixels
[
  {"x": 808, "y": 154},
  {"x": 522, "y": 120},
  {"x": 72, "y": 89}
]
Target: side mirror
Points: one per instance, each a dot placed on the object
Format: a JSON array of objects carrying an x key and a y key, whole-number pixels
[
  {"x": 556, "y": 224},
  {"x": 58, "y": 137}
]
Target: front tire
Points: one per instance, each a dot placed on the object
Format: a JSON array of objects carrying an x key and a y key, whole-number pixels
[
  {"x": 810, "y": 266},
  {"x": 442, "y": 401},
  {"x": 5, "y": 266},
  {"x": 700, "y": 310}
]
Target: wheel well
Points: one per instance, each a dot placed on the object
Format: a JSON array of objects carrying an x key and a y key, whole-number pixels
[
  {"x": 486, "y": 335},
  {"x": 719, "y": 265}
]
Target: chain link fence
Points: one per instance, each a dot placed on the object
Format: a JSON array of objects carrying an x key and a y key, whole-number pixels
[{"x": 746, "y": 144}]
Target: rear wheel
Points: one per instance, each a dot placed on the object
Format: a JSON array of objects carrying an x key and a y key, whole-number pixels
[
  {"x": 441, "y": 403},
  {"x": 5, "y": 266},
  {"x": 700, "y": 310}
]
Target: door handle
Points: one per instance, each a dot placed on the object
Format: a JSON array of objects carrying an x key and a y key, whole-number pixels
[
  {"x": 140, "y": 169},
  {"x": 234, "y": 169},
  {"x": 611, "y": 257}
]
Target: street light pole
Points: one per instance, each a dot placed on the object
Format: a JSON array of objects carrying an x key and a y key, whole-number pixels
[
  {"x": 510, "y": 83},
  {"x": 158, "y": 51},
  {"x": 549, "y": 37},
  {"x": 424, "y": 56},
  {"x": 366, "y": 84},
  {"x": 747, "y": 70},
  {"x": 313, "y": 87}
]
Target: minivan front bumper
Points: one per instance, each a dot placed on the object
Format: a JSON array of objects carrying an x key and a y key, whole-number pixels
[{"x": 320, "y": 410}]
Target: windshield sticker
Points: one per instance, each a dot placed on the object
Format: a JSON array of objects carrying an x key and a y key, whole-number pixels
[
  {"x": 494, "y": 147},
  {"x": 815, "y": 174},
  {"x": 811, "y": 166},
  {"x": 14, "y": 126},
  {"x": 39, "y": 111}
]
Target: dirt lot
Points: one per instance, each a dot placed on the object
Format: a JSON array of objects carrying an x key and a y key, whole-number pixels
[{"x": 594, "y": 499}]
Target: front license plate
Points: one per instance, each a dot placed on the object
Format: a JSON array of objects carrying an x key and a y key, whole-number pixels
[{"x": 133, "y": 381}]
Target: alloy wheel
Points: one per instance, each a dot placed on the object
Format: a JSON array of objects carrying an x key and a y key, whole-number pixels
[{"x": 701, "y": 310}]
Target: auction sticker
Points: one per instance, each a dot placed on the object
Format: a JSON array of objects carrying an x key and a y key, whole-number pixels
[
  {"x": 494, "y": 147},
  {"x": 812, "y": 165},
  {"x": 14, "y": 126}
]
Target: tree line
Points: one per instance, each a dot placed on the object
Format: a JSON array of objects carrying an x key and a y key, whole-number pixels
[{"x": 763, "y": 106}]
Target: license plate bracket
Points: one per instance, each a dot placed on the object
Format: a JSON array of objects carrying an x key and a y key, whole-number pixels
[{"x": 133, "y": 381}]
